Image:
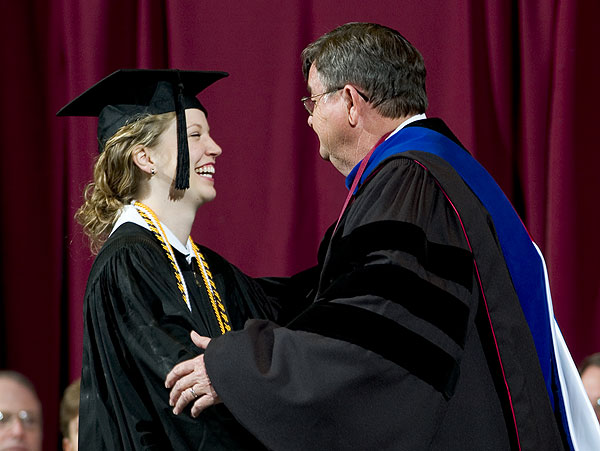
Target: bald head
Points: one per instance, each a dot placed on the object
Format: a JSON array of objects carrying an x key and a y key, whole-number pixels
[{"x": 21, "y": 414}]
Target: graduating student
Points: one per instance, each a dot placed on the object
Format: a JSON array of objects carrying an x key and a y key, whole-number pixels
[
  {"x": 431, "y": 326},
  {"x": 150, "y": 284}
]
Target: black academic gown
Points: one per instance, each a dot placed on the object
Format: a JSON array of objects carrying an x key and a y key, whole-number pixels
[
  {"x": 396, "y": 352},
  {"x": 136, "y": 328}
]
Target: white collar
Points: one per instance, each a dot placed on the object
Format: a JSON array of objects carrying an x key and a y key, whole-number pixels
[
  {"x": 416, "y": 117},
  {"x": 130, "y": 214}
]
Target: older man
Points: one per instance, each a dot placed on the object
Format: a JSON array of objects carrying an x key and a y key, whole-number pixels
[
  {"x": 20, "y": 414},
  {"x": 418, "y": 335}
]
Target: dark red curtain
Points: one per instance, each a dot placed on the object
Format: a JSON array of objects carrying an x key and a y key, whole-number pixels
[{"x": 516, "y": 80}]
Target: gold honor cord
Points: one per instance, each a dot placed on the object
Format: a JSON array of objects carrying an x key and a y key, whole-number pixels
[
  {"x": 211, "y": 289},
  {"x": 150, "y": 217}
]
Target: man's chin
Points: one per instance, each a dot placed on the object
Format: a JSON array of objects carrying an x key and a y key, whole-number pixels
[{"x": 324, "y": 155}]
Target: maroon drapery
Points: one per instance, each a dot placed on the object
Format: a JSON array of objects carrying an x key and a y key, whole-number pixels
[{"x": 515, "y": 80}]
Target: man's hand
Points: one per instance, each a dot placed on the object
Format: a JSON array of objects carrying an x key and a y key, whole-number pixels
[{"x": 189, "y": 382}]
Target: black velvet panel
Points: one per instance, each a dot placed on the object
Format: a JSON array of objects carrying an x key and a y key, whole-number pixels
[
  {"x": 409, "y": 238},
  {"x": 371, "y": 331},
  {"x": 404, "y": 287}
]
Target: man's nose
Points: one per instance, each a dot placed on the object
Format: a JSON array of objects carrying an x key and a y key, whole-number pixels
[{"x": 17, "y": 428}]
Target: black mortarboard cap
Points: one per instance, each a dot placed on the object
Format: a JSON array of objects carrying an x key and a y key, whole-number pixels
[{"x": 127, "y": 94}]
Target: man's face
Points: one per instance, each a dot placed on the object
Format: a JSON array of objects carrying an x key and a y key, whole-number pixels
[
  {"x": 591, "y": 383},
  {"x": 21, "y": 427},
  {"x": 327, "y": 120}
]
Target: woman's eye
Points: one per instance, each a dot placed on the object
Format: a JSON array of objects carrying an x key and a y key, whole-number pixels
[{"x": 195, "y": 134}]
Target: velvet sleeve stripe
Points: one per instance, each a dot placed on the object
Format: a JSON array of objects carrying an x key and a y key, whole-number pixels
[
  {"x": 404, "y": 287},
  {"x": 409, "y": 238},
  {"x": 371, "y": 331}
]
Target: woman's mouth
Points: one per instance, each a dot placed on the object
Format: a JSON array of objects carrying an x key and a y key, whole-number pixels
[{"x": 208, "y": 171}]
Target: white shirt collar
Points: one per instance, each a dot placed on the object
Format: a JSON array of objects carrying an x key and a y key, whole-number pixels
[
  {"x": 130, "y": 214},
  {"x": 416, "y": 117}
]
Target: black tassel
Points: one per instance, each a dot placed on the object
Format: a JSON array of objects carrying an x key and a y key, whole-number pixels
[{"x": 182, "y": 179}]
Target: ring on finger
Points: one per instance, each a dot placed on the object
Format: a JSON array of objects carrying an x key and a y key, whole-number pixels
[{"x": 194, "y": 393}]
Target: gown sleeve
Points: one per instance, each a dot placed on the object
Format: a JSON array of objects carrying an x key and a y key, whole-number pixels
[
  {"x": 289, "y": 296},
  {"x": 381, "y": 344}
]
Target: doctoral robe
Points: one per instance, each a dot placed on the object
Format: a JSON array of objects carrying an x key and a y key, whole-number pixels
[{"x": 416, "y": 339}]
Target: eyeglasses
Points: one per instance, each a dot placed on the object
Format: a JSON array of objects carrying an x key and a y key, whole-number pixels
[
  {"x": 310, "y": 102},
  {"x": 27, "y": 419}
]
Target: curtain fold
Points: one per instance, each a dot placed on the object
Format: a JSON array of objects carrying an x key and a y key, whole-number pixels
[{"x": 571, "y": 194}]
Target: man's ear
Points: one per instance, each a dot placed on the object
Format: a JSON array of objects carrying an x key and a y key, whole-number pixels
[
  {"x": 143, "y": 160},
  {"x": 354, "y": 104}
]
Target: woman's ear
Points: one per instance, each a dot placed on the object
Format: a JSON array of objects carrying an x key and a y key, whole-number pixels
[{"x": 143, "y": 159}]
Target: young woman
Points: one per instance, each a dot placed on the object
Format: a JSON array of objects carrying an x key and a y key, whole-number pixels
[{"x": 150, "y": 284}]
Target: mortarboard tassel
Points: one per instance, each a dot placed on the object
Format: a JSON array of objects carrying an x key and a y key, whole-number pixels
[{"x": 182, "y": 179}]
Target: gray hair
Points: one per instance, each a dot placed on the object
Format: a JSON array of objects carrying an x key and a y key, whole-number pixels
[{"x": 378, "y": 60}]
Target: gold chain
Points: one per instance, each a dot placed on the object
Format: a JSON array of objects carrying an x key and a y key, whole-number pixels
[{"x": 219, "y": 309}]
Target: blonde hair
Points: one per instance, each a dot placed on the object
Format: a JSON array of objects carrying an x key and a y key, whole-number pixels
[
  {"x": 116, "y": 176},
  {"x": 69, "y": 406}
]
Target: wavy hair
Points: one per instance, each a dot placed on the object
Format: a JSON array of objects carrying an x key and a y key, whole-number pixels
[{"x": 116, "y": 176}]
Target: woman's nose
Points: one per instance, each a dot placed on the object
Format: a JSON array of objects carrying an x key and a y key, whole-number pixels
[{"x": 214, "y": 149}]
